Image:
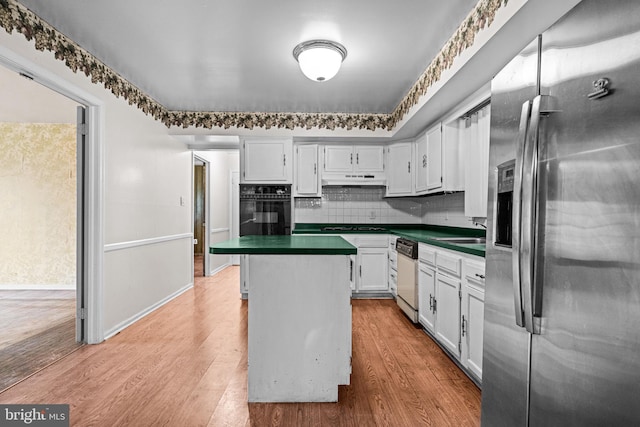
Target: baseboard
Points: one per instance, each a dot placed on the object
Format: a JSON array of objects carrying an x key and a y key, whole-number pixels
[
  {"x": 29, "y": 287},
  {"x": 133, "y": 319},
  {"x": 219, "y": 269}
]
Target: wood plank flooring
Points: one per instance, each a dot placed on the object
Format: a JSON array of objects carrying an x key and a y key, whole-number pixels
[
  {"x": 38, "y": 328},
  {"x": 186, "y": 365}
]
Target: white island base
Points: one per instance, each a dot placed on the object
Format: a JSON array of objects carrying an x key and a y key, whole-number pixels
[{"x": 299, "y": 327}]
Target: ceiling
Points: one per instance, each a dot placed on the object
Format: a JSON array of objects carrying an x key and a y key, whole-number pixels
[
  {"x": 236, "y": 55},
  {"x": 223, "y": 68}
]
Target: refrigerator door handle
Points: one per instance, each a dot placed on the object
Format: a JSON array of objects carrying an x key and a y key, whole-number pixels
[
  {"x": 516, "y": 217},
  {"x": 528, "y": 215}
]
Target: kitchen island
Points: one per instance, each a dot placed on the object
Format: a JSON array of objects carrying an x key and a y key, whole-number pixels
[{"x": 299, "y": 326}]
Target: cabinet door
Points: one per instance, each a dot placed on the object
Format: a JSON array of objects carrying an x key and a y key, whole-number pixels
[
  {"x": 244, "y": 275},
  {"x": 472, "y": 329},
  {"x": 448, "y": 313},
  {"x": 306, "y": 167},
  {"x": 267, "y": 161},
  {"x": 338, "y": 158},
  {"x": 399, "y": 174},
  {"x": 434, "y": 158},
  {"x": 369, "y": 159},
  {"x": 426, "y": 297},
  {"x": 474, "y": 135},
  {"x": 372, "y": 269},
  {"x": 420, "y": 172}
]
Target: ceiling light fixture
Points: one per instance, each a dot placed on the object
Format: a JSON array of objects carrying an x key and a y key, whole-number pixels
[{"x": 319, "y": 60}]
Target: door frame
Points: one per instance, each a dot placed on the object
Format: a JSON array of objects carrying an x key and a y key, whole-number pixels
[
  {"x": 93, "y": 184},
  {"x": 207, "y": 197}
]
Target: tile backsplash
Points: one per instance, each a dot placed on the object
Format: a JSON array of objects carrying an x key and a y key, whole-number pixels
[
  {"x": 367, "y": 205},
  {"x": 351, "y": 205}
]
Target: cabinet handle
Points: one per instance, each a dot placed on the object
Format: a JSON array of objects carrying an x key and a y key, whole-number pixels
[
  {"x": 435, "y": 305},
  {"x": 360, "y": 268},
  {"x": 430, "y": 302},
  {"x": 351, "y": 158},
  {"x": 464, "y": 321},
  {"x": 409, "y": 167},
  {"x": 480, "y": 275},
  {"x": 424, "y": 160},
  {"x": 284, "y": 159},
  {"x": 357, "y": 158},
  {"x": 315, "y": 169}
]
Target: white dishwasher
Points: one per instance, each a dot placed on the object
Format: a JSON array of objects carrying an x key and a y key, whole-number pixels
[{"x": 408, "y": 277}]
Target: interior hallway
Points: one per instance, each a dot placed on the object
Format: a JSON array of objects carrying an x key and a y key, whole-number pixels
[{"x": 186, "y": 364}]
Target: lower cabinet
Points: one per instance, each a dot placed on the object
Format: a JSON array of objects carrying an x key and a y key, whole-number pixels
[
  {"x": 451, "y": 303},
  {"x": 427, "y": 296},
  {"x": 448, "y": 313},
  {"x": 372, "y": 270},
  {"x": 244, "y": 276},
  {"x": 473, "y": 317},
  {"x": 370, "y": 267}
]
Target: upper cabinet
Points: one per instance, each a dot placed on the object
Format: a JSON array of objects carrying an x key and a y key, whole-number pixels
[
  {"x": 266, "y": 160},
  {"x": 474, "y": 134},
  {"x": 400, "y": 170},
  {"x": 433, "y": 158},
  {"x": 306, "y": 175},
  {"x": 348, "y": 158},
  {"x": 421, "y": 164}
]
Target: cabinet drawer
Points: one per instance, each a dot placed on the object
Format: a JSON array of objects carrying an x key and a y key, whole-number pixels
[
  {"x": 474, "y": 272},
  {"x": 393, "y": 260},
  {"x": 371, "y": 241},
  {"x": 449, "y": 264},
  {"x": 392, "y": 243},
  {"x": 393, "y": 278},
  {"x": 426, "y": 254}
]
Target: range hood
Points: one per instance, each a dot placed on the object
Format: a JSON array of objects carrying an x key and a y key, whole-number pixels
[{"x": 353, "y": 179}]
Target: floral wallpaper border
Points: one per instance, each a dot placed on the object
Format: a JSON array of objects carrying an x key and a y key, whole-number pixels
[{"x": 14, "y": 16}]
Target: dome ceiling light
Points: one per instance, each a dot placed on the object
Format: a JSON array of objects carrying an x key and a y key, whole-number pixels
[{"x": 319, "y": 60}]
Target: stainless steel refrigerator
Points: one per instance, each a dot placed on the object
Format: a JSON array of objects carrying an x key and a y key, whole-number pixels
[{"x": 562, "y": 303}]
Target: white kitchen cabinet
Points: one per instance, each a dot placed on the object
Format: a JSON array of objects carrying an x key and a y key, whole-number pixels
[
  {"x": 420, "y": 170},
  {"x": 244, "y": 276},
  {"x": 393, "y": 266},
  {"x": 372, "y": 270},
  {"x": 447, "y": 325},
  {"x": 266, "y": 160},
  {"x": 350, "y": 158},
  {"x": 368, "y": 158},
  {"x": 426, "y": 296},
  {"x": 472, "y": 320},
  {"x": 306, "y": 181},
  {"x": 338, "y": 158},
  {"x": 474, "y": 136},
  {"x": 433, "y": 137},
  {"x": 399, "y": 171}
]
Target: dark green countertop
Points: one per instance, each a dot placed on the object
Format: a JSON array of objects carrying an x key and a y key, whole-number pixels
[
  {"x": 416, "y": 232},
  {"x": 285, "y": 245}
]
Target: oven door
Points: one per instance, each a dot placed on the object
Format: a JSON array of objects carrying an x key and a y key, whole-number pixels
[{"x": 265, "y": 217}]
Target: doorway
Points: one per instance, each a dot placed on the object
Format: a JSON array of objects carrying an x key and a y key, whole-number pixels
[
  {"x": 42, "y": 220},
  {"x": 199, "y": 216}
]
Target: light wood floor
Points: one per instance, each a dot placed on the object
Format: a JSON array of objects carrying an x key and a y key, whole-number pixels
[{"x": 186, "y": 365}]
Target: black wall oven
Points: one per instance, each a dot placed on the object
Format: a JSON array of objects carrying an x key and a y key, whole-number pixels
[{"x": 265, "y": 209}]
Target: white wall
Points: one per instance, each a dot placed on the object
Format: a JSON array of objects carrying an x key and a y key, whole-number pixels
[
  {"x": 147, "y": 233},
  {"x": 221, "y": 164}
]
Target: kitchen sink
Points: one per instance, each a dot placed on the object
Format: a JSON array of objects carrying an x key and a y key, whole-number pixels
[{"x": 463, "y": 240}]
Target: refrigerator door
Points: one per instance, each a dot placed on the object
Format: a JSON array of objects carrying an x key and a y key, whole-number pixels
[
  {"x": 585, "y": 363},
  {"x": 506, "y": 345}
]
